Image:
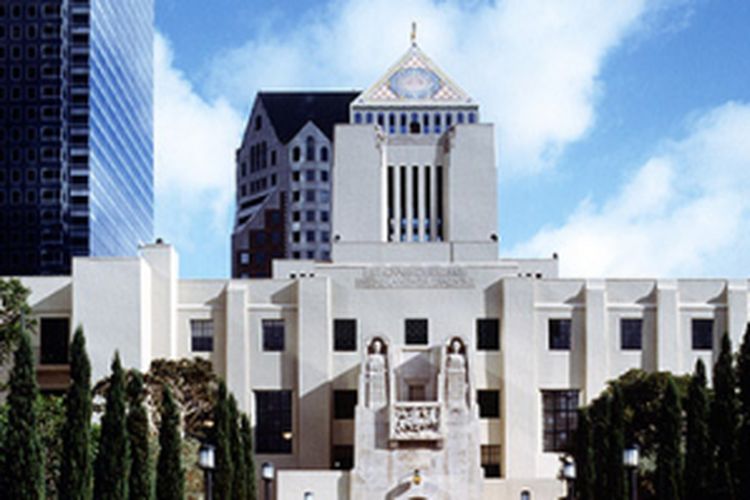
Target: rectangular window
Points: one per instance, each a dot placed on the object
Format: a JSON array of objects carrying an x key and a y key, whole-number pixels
[
  {"x": 201, "y": 335},
  {"x": 560, "y": 416},
  {"x": 273, "y": 334},
  {"x": 559, "y": 334},
  {"x": 54, "y": 333},
  {"x": 488, "y": 334},
  {"x": 415, "y": 331},
  {"x": 310, "y": 215},
  {"x": 489, "y": 403},
  {"x": 631, "y": 334},
  {"x": 345, "y": 335},
  {"x": 344, "y": 402},
  {"x": 309, "y": 195},
  {"x": 703, "y": 334},
  {"x": 342, "y": 457},
  {"x": 273, "y": 427},
  {"x": 491, "y": 460}
]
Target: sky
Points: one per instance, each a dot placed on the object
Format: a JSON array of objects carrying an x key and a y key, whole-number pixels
[{"x": 622, "y": 127}]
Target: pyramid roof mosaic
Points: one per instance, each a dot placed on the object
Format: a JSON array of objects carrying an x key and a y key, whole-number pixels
[{"x": 414, "y": 79}]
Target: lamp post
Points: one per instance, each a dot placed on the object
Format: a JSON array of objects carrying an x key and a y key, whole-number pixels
[
  {"x": 569, "y": 475},
  {"x": 206, "y": 462},
  {"x": 630, "y": 460},
  {"x": 267, "y": 472}
]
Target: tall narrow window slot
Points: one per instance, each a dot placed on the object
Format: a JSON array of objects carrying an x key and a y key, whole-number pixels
[
  {"x": 415, "y": 203},
  {"x": 439, "y": 195},
  {"x": 427, "y": 203},
  {"x": 402, "y": 202},
  {"x": 391, "y": 222}
]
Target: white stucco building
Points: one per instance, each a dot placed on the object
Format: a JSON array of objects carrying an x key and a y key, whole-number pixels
[{"x": 416, "y": 352}]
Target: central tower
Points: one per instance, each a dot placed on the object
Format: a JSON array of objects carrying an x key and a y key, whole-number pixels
[{"x": 415, "y": 176}]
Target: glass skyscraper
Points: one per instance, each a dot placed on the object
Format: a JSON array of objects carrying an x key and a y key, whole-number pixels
[{"x": 76, "y": 131}]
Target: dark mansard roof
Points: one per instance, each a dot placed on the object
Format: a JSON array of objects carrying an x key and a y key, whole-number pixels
[{"x": 290, "y": 111}]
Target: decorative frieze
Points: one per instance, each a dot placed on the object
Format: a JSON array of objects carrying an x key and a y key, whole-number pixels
[{"x": 415, "y": 277}]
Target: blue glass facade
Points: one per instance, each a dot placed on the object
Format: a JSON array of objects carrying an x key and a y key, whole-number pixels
[{"x": 76, "y": 113}]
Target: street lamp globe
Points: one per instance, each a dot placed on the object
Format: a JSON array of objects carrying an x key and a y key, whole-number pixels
[
  {"x": 206, "y": 456},
  {"x": 267, "y": 471},
  {"x": 569, "y": 471},
  {"x": 630, "y": 457}
]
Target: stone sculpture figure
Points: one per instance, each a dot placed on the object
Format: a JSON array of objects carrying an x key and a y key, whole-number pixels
[
  {"x": 375, "y": 369},
  {"x": 456, "y": 376}
]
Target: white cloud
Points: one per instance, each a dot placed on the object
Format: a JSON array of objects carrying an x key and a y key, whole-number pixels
[
  {"x": 533, "y": 66},
  {"x": 194, "y": 153},
  {"x": 685, "y": 212}
]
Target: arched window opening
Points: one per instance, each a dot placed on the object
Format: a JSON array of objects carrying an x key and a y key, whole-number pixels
[
  {"x": 324, "y": 153},
  {"x": 414, "y": 128},
  {"x": 403, "y": 122},
  {"x": 357, "y": 118},
  {"x": 525, "y": 495},
  {"x": 460, "y": 118},
  {"x": 448, "y": 120},
  {"x": 310, "y": 148},
  {"x": 426, "y": 123},
  {"x": 437, "y": 123},
  {"x": 368, "y": 118},
  {"x": 381, "y": 120},
  {"x": 391, "y": 123},
  {"x": 258, "y": 122},
  {"x": 472, "y": 118},
  {"x": 296, "y": 153}
]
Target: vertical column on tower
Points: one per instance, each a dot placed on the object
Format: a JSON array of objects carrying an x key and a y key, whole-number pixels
[
  {"x": 433, "y": 204},
  {"x": 409, "y": 203},
  {"x": 397, "y": 205}
]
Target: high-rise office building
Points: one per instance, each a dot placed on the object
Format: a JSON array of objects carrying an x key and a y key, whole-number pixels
[
  {"x": 284, "y": 179},
  {"x": 76, "y": 131}
]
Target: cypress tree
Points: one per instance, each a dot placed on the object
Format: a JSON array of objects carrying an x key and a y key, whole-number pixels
[
  {"x": 616, "y": 446},
  {"x": 140, "y": 486},
  {"x": 247, "y": 448},
  {"x": 112, "y": 460},
  {"x": 600, "y": 435},
  {"x": 584, "y": 457},
  {"x": 724, "y": 424},
  {"x": 698, "y": 455},
  {"x": 24, "y": 467},
  {"x": 77, "y": 473},
  {"x": 668, "y": 452},
  {"x": 170, "y": 480},
  {"x": 743, "y": 378},
  {"x": 239, "y": 488},
  {"x": 222, "y": 453}
]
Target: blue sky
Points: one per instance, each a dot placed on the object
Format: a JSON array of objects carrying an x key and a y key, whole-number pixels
[{"x": 623, "y": 128}]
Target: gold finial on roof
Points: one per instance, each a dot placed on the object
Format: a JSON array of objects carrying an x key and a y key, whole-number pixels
[{"x": 413, "y": 33}]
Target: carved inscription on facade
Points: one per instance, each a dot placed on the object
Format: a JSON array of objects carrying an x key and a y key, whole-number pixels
[
  {"x": 415, "y": 277},
  {"x": 416, "y": 422}
]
